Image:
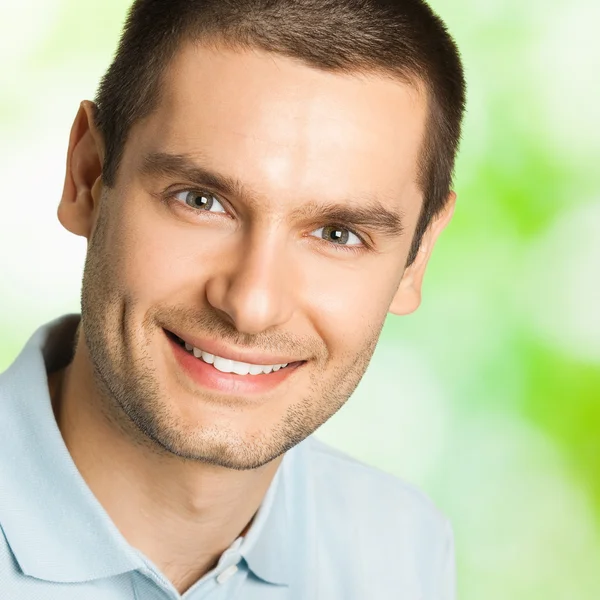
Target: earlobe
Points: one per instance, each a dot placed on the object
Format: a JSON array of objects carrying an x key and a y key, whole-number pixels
[
  {"x": 82, "y": 187},
  {"x": 408, "y": 295}
]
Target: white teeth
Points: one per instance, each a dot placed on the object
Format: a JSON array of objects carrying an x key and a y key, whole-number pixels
[
  {"x": 241, "y": 368},
  {"x": 223, "y": 364},
  {"x": 226, "y": 365},
  {"x": 208, "y": 358}
]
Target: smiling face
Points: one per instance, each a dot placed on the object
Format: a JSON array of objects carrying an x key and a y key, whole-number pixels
[{"x": 262, "y": 216}]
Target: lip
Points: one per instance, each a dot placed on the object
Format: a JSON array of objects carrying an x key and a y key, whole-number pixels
[
  {"x": 208, "y": 377},
  {"x": 219, "y": 349}
]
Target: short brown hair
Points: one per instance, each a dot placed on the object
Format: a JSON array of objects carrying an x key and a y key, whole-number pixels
[{"x": 403, "y": 39}]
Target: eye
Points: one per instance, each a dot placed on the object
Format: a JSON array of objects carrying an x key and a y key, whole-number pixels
[
  {"x": 337, "y": 235},
  {"x": 200, "y": 200}
]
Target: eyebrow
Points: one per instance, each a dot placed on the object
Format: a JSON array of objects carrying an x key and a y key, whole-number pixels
[
  {"x": 164, "y": 164},
  {"x": 360, "y": 210}
]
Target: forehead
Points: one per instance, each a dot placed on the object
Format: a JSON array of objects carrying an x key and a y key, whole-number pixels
[{"x": 288, "y": 130}]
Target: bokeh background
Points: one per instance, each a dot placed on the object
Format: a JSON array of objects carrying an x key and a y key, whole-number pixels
[{"x": 489, "y": 396}]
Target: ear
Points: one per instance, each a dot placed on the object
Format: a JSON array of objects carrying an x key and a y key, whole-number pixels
[
  {"x": 408, "y": 296},
  {"x": 83, "y": 185}
]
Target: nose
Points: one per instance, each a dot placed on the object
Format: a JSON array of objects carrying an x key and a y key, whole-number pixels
[{"x": 253, "y": 288}]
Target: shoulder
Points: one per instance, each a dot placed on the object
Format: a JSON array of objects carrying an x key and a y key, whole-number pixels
[
  {"x": 393, "y": 528},
  {"x": 358, "y": 485}
]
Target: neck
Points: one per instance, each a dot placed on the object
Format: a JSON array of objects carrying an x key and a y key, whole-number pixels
[{"x": 181, "y": 514}]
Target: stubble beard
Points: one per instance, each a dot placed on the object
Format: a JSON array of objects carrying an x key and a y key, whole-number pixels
[{"x": 130, "y": 392}]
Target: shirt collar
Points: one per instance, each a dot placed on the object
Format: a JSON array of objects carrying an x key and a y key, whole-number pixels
[
  {"x": 56, "y": 528},
  {"x": 283, "y": 534},
  {"x": 266, "y": 545}
]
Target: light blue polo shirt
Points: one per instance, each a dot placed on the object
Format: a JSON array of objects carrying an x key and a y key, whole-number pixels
[{"x": 329, "y": 527}]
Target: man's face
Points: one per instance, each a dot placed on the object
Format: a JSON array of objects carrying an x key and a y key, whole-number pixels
[{"x": 263, "y": 213}]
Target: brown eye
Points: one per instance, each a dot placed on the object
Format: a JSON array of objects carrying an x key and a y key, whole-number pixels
[
  {"x": 202, "y": 201},
  {"x": 340, "y": 236},
  {"x": 337, "y": 235}
]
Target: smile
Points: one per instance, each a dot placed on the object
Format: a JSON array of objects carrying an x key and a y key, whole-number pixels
[
  {"x": 262, "y": 373},
  {"x": 226, "y": 365}
]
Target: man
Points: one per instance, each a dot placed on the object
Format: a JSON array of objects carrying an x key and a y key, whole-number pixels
[{"x": 260, "y": 183}]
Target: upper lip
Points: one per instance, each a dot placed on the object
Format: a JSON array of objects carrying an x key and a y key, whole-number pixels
[{"x": 217, "y": 348}]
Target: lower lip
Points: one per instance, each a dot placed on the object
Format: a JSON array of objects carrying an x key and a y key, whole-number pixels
[{"x": 207, "y": 376}]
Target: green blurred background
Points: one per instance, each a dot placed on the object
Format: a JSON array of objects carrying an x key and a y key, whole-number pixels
[{"x": 489, "y": 396}]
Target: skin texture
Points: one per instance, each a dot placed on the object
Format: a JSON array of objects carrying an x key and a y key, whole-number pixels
[{"x": 258, "y": 277}]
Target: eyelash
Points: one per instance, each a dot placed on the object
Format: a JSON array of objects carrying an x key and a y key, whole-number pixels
[
  {"x": 169, "y": 199},
  {"x": 351, "y": 248}
]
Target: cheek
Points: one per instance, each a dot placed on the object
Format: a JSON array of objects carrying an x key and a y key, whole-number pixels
[
  {"x": 347, "y": 305},
  {"x": 156, "y": 258}
]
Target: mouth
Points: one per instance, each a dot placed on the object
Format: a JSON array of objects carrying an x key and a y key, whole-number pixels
[{"x": 227, "y": 365}]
